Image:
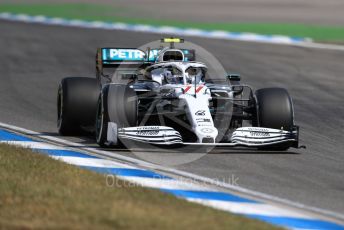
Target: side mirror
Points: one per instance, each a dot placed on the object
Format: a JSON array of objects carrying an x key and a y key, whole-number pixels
[{"x": 232, "y": 77}]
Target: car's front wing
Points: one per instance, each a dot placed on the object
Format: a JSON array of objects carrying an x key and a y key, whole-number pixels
[{"x": 244, "y": 136}]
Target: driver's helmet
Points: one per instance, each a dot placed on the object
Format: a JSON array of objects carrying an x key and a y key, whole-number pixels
[
  {"x": 172, "y": 78},
  {"x": 194, "y": 75}
]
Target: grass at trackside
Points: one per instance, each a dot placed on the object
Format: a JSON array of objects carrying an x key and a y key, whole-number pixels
[
  {"x": 37, "y": 192},
  {"x": 110, "y": 13}
]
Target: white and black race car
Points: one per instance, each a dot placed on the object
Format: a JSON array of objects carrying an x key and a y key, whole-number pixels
[{"x": 164, "y": 96}]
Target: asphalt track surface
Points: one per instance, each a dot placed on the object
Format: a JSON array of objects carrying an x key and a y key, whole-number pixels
[{"x": 34, "y": 58}]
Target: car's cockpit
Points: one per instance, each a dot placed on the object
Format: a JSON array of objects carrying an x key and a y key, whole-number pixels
[{"x": 177, "y": 73}]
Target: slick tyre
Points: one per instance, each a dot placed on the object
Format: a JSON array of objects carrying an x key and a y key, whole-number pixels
[
  {"x": 76, "y": 105},
  {"x": 274, "y": 110},
  {"x": 118, "y": 104}
]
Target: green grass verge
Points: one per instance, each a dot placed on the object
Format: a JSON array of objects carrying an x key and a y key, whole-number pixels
[
  {"x": 111, "y": 13},
  {"x": 37, "y": 192}
]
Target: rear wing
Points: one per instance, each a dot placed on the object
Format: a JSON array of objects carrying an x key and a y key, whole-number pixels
[
  {"x": 113, "y": 57},
  {"x": 131, "y": 57}
]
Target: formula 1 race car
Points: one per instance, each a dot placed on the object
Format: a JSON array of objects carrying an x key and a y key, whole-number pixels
[{"x": 163, "y": 96}]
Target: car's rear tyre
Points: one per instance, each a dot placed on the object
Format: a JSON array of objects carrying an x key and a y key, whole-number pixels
[
  {"x": 274, "y": 110},
  {"x": 76, "y": 105},
  {"x": 118, "y": 104}
]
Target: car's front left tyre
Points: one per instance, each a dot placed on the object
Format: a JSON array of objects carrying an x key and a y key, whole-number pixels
[
  {"x": 117, "y": 104},
  {"x": 274, "y": 110}
]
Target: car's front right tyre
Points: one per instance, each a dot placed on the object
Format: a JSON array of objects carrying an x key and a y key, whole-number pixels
[{"x": 76, "y": 104}]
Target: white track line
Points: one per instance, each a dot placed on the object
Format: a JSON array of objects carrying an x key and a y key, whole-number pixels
[
  {"x": 320, "y": 46},
  {"x": 34, "y": 145},
  {"x": 250, "y": 208},
  {"x": 92, "y": 162}
]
